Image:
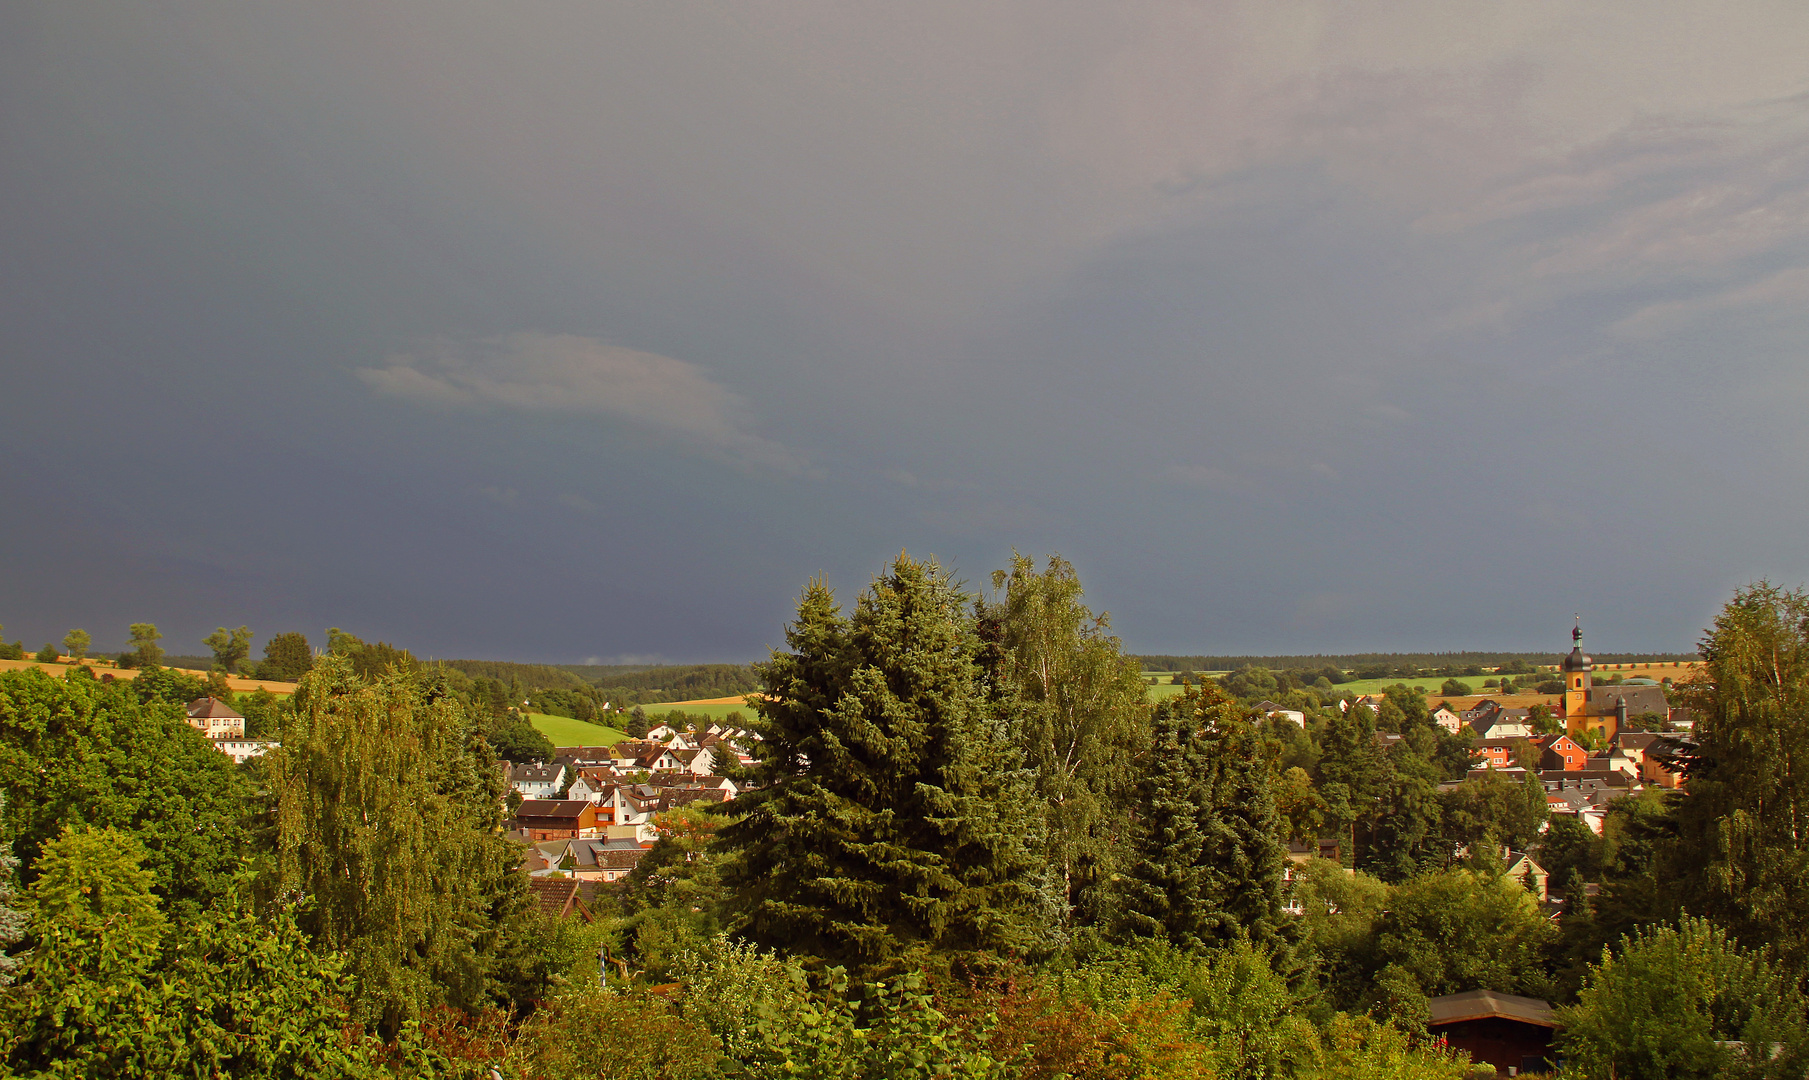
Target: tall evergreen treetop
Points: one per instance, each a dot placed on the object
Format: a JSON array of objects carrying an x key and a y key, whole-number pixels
[
  {"x": 892, "y": 808},
  {"x": 1208, "y": 863}
]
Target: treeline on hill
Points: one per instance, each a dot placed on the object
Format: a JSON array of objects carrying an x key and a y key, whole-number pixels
[
  {"x": 1393, "y": 665},
  {"x": 620, "y": 685},
  {"x": 967, "y": 847}
]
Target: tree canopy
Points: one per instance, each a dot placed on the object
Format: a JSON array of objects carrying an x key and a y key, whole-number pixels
[{"x": 892, "y": 809}]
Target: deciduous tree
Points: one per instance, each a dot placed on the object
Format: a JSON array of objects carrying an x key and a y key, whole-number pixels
[
  {"x": 145, "y": 651},
  {"x": 113, "y": 989},
  {"x": 76, "y": 643},
  {"x": 387, "y": 809},
  {"x": 77, "y": 751},
  {"x": 1742, "y": 856},
  {"x": 1685, "y": 1002},
  {"x": 230, "y": 647},
  {"x": 286, "y": 657},
  {"x": 1084, "y": 717}
]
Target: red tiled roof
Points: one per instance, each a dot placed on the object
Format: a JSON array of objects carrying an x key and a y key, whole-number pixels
[{"x": 557, "y": 897}]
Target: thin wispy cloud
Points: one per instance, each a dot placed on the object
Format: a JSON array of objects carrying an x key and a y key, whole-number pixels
[{"x": 567, "y": 374}]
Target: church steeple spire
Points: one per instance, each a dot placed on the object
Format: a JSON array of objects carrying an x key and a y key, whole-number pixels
[{"x": 1576, "y": 668}]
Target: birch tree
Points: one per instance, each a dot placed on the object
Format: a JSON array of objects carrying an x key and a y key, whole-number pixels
[
  {"x": 1743, "y": 832},
  {"x": 1084, "y": 719}
]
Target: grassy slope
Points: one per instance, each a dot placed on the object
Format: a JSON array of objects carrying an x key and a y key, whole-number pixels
[{"x": 564, "y": 731}]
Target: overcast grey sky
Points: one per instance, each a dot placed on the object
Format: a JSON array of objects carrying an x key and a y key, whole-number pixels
[{"x": 571, "y": 330}]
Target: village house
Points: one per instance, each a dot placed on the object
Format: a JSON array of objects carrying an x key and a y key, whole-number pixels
[
  {"x": 557, "y": 819},
  {"x": 1445, "y": 718},
  {"x": 1614, "y": 759},
  {"x": 696, "y": 762},
  {"x": 591, "y": 784},
  {"x": 1502, "y": 723},
  {"x": 1639, "y": 746},
  {"x": 1273, "y": 709},
  {"x": 559, "y": 897},
  {"x": 578, "y": 758},
  {"x": 536, "y": 781},
  {"x": 1480, "y": 709},
  {"x": 1520, "y": 866},
  {"x": 599, "y": 858},
  {"x": 215, "y": 719},
  {"x": 243, "y": 750},
  {"x": 1499, "y": 753},
  {"x": 1512, "y": 773},
  {"x": 1561, "y": 753}
]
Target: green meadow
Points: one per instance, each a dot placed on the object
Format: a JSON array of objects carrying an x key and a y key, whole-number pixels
[{"x": 564, "y": 731}]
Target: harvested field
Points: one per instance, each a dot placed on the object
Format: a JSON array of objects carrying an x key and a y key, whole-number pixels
[{"x": 238, "y": 683}]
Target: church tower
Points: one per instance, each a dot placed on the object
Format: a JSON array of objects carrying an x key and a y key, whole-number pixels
[{"x": 1576, "y": 668}]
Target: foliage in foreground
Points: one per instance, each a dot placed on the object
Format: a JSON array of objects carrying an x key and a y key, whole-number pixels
[
  {"x": 1154, "y": 1012},
  {"x": 1682, "y": 1002},
  {"x": 113, "y": 988}
]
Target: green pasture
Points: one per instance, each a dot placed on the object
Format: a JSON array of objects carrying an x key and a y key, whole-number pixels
[
  {"x": 1166, "y": 686},
  {"x": 565, "y": 731}
]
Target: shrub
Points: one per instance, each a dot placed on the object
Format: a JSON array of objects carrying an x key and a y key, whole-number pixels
[
  {"x": 1682, "y": 1002},
  {"x": 625, "y": 1035}
]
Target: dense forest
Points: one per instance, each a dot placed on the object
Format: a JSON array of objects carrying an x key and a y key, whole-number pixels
[{"x": 967, "y": 846}]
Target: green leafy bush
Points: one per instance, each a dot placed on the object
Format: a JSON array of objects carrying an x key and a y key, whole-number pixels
[{"x": 1674, "y": 1003}]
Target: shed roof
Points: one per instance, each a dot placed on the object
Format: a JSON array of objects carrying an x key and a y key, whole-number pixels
[
  {"x": 558, "y": 897},
  {"x": 1483, "y": 1004}
]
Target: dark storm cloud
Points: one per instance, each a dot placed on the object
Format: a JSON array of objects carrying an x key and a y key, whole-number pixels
[{"x": 565, "y": 331}]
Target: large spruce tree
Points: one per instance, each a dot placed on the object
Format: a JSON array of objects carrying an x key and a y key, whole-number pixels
[
  {"x": 1207, "y": 866},
  {"x": 1352, "y": 773},
  {"x": 891, "y": 807}
]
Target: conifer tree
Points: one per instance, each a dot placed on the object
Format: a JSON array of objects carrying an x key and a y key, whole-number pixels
[
  {"x": 891, "y": 810},
  {"x": 1162, "y": 892},
  {"x": 1351, "y": 772},
  {"x": 1208, "y": 865}
]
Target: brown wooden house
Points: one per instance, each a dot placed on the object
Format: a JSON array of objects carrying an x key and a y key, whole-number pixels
[
  {"x": 557, "y": 819},
  {"x": 1504, "y": 1030}
]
